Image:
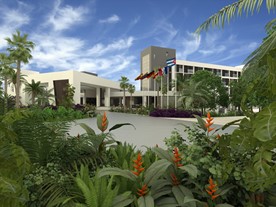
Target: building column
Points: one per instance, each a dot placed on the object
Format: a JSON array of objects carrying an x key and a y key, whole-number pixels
[
  {"x": 77, "y": 95},
  {"x": 84, "y": 97},
  {"x": 144, "y": 100},
  {"x": 98, "y": 97},
  {"x": 107, "y": 97}
]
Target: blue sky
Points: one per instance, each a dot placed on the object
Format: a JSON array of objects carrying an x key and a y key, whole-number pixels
[{"x": 107, "y": 36}]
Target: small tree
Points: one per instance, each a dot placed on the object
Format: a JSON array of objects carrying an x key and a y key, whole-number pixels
[
  {"x": 124, "y": 85},
  {"x": 20, "y": 51},
  {"x": 68, "y": 99},
  {"x": 131, "y": 90},
  {"x": 45, "y": 97},
  {"x": 34, "y": 88}
]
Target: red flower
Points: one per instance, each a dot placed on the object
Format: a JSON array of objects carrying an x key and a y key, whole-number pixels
[
  {"x": 209, "y": 122},
  {"x": 211, "y": 189},
  {"x": 175, "y": 181},
  {"x": 143, "y": 191},
  {"x": 177, "y": 157},
  {"x": 104, "y": 122},
  {"x": 138, "y": 165}
]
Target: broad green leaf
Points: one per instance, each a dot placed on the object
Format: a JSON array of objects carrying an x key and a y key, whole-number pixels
[
  {"x": 166, "y": 202},
  {"x": 145, "y": 201},
  {"x": 156, "y": 170},
  {"x": 261, "y": 160},
  {"x": 187, "y": 199},
  {"x": 224, "y": 189},
  {"x": 180, "y": 192},
  {"x": 265, "y": 124},
  {"x": 190, "y": 169},
  {"x": 117, "y": 171},
  {"x": 201, "y": 122},
  {"x": 88, "y": 129},
  {"x": 116, "y": 126},
  {"x": 224, "y": 205},
  {"x": 242, "y": 140},
  {"x": 230, "y": 124},
  {"x": 163, "y": 154},
  {"x": 123, "y": 200}
]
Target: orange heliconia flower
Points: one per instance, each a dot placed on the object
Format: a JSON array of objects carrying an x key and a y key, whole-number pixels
[
  {"x": 138, "y": 165},
  {"x": 211, "y": 189},
  {"x": 175, "y": 181},
  {"x": 209, "y": 122},
  {"x": 177, "y": 157},
  {"x": 218, "y": 136},
  {"x": 143, "y": 191},
  {"x": 104, "y": 122}
]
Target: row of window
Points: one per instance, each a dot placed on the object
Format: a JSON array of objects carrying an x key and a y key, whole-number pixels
[{"x": 191, "y": 69}]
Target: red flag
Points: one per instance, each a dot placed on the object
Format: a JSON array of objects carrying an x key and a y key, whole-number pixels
[
  {"x": 155, "y": 75},
  {"x": 139, "y": 76},
  {"x": 160, "y": 71}
]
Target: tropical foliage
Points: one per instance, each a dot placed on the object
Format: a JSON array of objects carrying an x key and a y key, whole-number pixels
[
  {"x": 19, "y": 48},
  {"x": 124, "y": 83},
  {"x": 34, "y": 89}
]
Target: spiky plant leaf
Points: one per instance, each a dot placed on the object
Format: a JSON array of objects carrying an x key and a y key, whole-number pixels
[{"x": 156, "y": 170}]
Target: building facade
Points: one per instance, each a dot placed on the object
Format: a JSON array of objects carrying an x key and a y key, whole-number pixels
[{"x": 89, "y": 88}]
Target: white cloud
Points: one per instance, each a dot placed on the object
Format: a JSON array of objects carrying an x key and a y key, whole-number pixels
[
  {"x": 59, "y": 52},
  {"x": 213, "y": 50},
  {"x": 11, "y": 20},
  {"x": 245, "y": 49},
  {"x": 110, "y": 20},
  {"x": 62, "y": 18},
  {"x": 121, "y": 44},
  {"x": 190, "y": 44}
]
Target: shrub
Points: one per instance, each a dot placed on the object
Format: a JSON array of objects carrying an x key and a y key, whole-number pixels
[{"x": 174, "y": 113}]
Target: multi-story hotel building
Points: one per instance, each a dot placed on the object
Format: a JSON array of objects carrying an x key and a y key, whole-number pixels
[{"x": 89, "y": 88}]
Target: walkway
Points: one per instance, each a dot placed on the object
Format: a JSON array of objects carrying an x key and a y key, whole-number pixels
[{"x": 149, "y": 130}]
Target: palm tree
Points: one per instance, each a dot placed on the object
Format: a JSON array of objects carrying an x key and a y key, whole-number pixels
[
  {"x": 45, "y": 97},
  {"x": 33, "y": 88},
  {"x": 5, "y": 74},
  {"x": 262, "y": 56},
  {"x": 193, "y": 95},
  {"x": 13, "y": 79},
  {"x": 124, "y": 85},
  {"x": 158, "y": 82},
  {"x": 5, "y": 70},
  {"x": 20, "y": 50},
  {"x": 131, "y": 90}
]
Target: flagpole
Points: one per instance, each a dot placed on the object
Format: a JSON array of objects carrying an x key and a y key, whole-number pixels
[
  {"x": 154, "y": 88},
  {"x": 175, "y": 87},
  {"x": 168, "y": 73},
  {"x": 162, "y": 91}
]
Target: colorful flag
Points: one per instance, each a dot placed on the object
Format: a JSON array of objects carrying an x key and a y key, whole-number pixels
[
  {"x": 150, "y": 74},
  {"x": 139, "y": 76},
  {"x": 155, "y": 75},
  {"x": 166, "y": 70},
  {"x": 171, "y": 62},
  {"x": 144, "y": 76},
  {"x": 160, "y": 71}
]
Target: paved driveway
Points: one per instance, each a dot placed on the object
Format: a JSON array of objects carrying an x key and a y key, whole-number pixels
[{"x": 149, "y": 130}]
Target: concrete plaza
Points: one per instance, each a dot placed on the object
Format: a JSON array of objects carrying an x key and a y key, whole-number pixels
[{"x": 148, "y": 131}]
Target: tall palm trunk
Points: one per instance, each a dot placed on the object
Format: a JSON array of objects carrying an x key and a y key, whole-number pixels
[
  {"x": 17, "y": 87},
  {"x": 124, "y": 100},
  {"x": 158, "y": 101},
  {"x": 6, "y": 95},
  {"x": 33, "y": 98}
]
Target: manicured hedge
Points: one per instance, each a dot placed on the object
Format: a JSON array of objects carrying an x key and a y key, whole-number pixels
[{"x": 174, "y": 113}]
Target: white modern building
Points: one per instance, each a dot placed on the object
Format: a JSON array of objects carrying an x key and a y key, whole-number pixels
[{"x": 89, "y": 88}]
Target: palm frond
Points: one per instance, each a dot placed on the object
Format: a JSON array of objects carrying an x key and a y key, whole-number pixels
[
  {"x": 236, "y": 9},
  {"x": 255, "y": 57}
]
